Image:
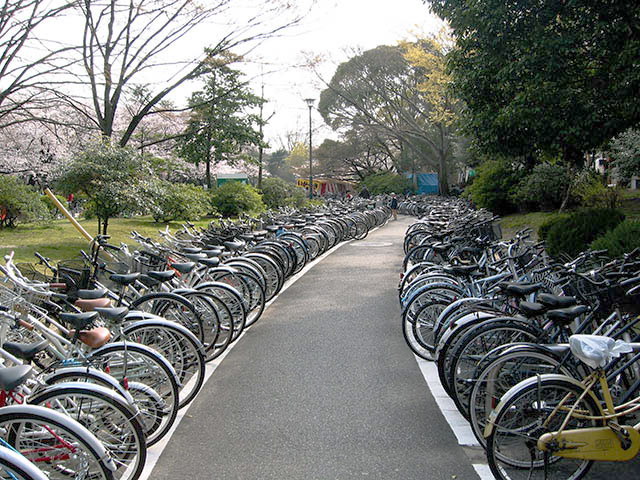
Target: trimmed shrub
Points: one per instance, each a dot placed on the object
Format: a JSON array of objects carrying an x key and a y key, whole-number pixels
[
  {"x": 179, "y": 201},
  {"x": 543, "y": 230},
  {"x": 573, "y": 234},
  {"x": 53, "y": 210},
  {"x": 234, "y": 198},
  {"x": 19, "y": 203},
  {"x": 494, "y": 186},
  {"x": 622, "y": 239},
  {"x": 544, "y": 188},
  {"x": 387, "y": 182},
  {"x": 280, "y": 193}
]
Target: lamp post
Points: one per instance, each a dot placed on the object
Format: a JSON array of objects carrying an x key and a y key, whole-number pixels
[{"x": 310, "y": 102}]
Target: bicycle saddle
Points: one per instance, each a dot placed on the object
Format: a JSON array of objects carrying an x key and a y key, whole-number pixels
[
  {"x": 11, "y": 377},
  {"x": 210, "y": 262},
  {"x": 555, "y": 301},
  {"x": 25, "y": 351},
  {"x": 195, "y": 257},
  {"x": 564, "y": 316},
  {"x": 79, "y": 321},
  {"x": 114, "y": 313},
  {"x": 91, "y": 305},
  {"x": 163, "y": 276},
  {"x": 183, "y": 267},
  {"x": 519, "y": 289},
  {"x": 247, "y": 236},
  {"x": 124, "y": 279},
  {"x": 192, "y": 250},
  {"x": 234, "y": 246},
  {"x": 531, "y": 309},
  {"x": 91, "y": 294},
  {"x": 272, "y": 228},
  {"x": 212, "y": 252},
  {"x": 462, "y": 269}
]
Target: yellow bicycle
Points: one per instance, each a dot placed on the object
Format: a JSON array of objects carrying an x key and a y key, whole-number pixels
[{"x": 554, "y": 427}]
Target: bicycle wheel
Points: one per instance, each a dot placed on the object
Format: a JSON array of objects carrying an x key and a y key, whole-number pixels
[
  {"x": 181, "y": 349},
  {"x": 471, "y": 347},
  {"x": 523, "y": 416},
  {"x": 418, "y": 330},
  {"x": 105, "y": 414},
  {"x": 171, "y": 306},
  {"x": 234, "y": 302},
  {"x": 132, "y": 362},
  {"x": 61, "y": 447},
  {"x": 498, "y": 376},
  {"x": 14, "y": 466}
]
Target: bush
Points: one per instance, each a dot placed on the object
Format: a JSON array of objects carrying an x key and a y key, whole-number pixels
[
  {"x": 387, "y": 182},
  {"x": 280, "y": 193},
  {"x": 622, "y": 239},
  {"x": 543, "y": 230},
  {"x": 573, "y": 234},
  {"x": 589, "y": 189},
  {"x": 178, "y": 201},
  {"x": 234, "y": 198},
  {"x": 19, "y": 203},
  {"x": 494, "y": 186},
  {"x": 544, "y": 188}
]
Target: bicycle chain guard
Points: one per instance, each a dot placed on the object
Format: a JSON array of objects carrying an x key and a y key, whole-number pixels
[{"x": 597, "y": 443}]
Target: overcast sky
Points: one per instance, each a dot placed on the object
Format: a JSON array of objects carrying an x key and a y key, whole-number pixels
[{"x": 332, "y": 30}]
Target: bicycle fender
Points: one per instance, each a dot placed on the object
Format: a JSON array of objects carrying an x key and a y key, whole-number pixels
[{"x": 54, "y": 416}]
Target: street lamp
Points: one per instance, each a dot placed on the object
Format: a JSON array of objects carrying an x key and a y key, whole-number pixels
[{"x": 310, "y": 102}]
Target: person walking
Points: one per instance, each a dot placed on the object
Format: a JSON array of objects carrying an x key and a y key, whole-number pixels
[{"x": 393, "y": 205}]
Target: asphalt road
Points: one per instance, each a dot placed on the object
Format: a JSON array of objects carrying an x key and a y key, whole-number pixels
[{"x": 322, "y": 387}]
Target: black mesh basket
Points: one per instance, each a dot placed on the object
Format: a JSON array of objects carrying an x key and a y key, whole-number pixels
[
  {"x": 75, "y": 273},
  {"x": 147, "y": 261}
]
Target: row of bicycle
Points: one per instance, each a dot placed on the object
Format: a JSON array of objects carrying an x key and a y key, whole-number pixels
[
  {"x": 100, "y": 352},
  {"x": 541, "y": 357}
]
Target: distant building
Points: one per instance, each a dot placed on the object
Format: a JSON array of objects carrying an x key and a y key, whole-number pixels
[{"x": 223, "y": 178}]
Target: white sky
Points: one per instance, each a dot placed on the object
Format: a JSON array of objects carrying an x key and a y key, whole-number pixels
[{"x": 332, "y": 30}]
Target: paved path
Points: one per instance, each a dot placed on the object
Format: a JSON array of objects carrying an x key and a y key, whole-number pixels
[{"x": 322, "y": 387}]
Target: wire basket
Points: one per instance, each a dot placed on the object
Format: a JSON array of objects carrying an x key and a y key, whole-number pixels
[
  {"x": 31, "y": 272},
  {"x": 144, "y": 262}
]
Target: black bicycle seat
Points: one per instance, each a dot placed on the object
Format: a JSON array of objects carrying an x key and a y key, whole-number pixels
[
  {"x": 79, "y": 321},
  {"x": 124, "y": 279},
  {"x": 25, "y": 351},
  {"x": 11, "y": 377},
  {"x": 555, "y": 301},
  {"x": 114, "y": 313},
  {"x": 163, "y": 276},
  {"x": 91, "y": 294},
  {"x": 565, "y": 316}
]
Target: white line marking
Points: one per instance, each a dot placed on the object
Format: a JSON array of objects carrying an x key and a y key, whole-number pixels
[
  {"x": 483, "y": 471},
  {"x": 456, "y": 421},
  {"x": 154, "y": 452}
]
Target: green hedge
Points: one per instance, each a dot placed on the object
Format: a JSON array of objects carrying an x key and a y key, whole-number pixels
[
  {"x": 234, "y": 198},
  {"x": 387, "y": 182},
  {"x": 495, "y": 186},
  {"x": 622, "y": 239},
  {"x": 280, "y": 193},
  {"x": 573, "y": 234}
]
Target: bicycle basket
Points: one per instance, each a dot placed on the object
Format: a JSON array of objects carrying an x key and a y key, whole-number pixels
[
  {"x": 75, "y": 273},
  {"x": 144, "y": 262},
  {"x": 31, "y": 272}
]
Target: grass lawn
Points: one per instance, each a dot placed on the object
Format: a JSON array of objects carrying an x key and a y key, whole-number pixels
[
  {"x": 510, "y": 224},
  {"x": 59, "y": 240}
]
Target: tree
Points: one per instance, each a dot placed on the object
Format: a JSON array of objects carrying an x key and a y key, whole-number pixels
[
  {"x": 353, "y": 158},
  {"x": 30, "y": 64},
  {"x": 625, "y": 151},
  {"x": 298, "y": 159},
  {"x": 380, "y": 94},
  {"x": 220, "y": 125},
  {"x": 548, "y": 77},
  {"x": 276, "y": 165},
  {"x": 124, "y": 40},
  {"x": 112, "y": 178}
]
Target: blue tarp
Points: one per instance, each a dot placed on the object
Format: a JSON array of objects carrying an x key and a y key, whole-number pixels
[{"x": 427, "y": 182}]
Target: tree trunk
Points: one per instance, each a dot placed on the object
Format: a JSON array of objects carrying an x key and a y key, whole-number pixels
[
  {"x": 105, "y": 225},
  {"x": 443, "y": 175},
  {"x": 208, "y": 174}
]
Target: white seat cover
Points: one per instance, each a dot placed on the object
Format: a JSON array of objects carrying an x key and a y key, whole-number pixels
[{"x": 596, "y": 350}]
